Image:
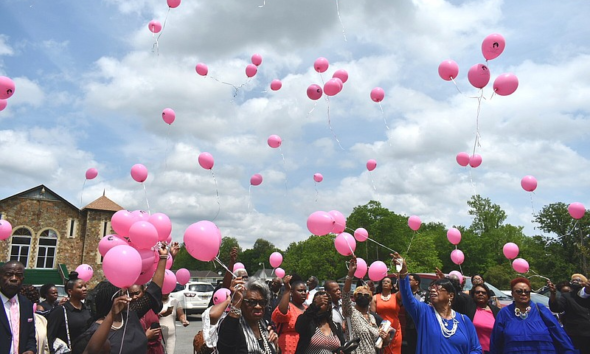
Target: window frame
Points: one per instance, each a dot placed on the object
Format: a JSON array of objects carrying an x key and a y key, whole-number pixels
[{"x": 46, "y": 249}]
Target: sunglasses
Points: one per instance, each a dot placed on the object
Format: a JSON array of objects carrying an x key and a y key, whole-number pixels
[
  {"x": 253, "y": 303},
  {"x": 480, "y": 292},
  {"x": 363, "y": 295},
  {"x": 522, "y": 292}
]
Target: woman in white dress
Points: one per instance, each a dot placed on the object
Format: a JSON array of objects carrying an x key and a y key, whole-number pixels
[{"x": 171, "y": 309}]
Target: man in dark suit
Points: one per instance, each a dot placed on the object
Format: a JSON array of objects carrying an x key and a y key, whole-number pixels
[{"x": 12, "y": 275}]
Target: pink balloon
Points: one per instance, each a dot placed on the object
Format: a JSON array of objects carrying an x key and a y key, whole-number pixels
[
  {"x": 458, "y": 275},
  {"x": 148, "y": 258},
  {"x": 492, "y": 46},
  {"x": 320, "y": 223},
  {"x": 108, "y": 242},
  {"x": 251, "y": 70},
  {"x": 321, "y": 64},
  {"x": 475, "y": 160},
  {"x": 6, "y": 87},
  {"x": 576, "y": 210},
  {"x": 3, "y": 104},
  {"x": 183, "y": 276},
  {"x": 256, "y": 59},
  {"x": 121, "y": 221},
  {"x": 146, "y": 276},
  {"x": 221, "y": 295},
  {"x": 314, "y": 92},
  {"x": 528, "y": 183},
  {"x": 361, "y": 268},
  {"x": 332, "y": 87},
  {"x": 463, "y": 159},
  {"x": 510, "y": 250},
  {"x": 91, "y": 173},
  {"x": 448, "y": 70},
  {"x": 457, "y": 257},
  {"x": 454, "y": 236},
  {"x": 274, "y": 141},
  {"x": 5, "y": 229},
  {"x": 377, "y": 271},
  {"x": 275, "y": 259},
  {"x": 377, "y": 94},
  {"x": 143, "y": 235},
  {"x": 202, "y": 69},
  {"x": 256, "y": 179},
  {"x": 342, "y": 75},
  {"x": 339, "y": 221},
  {"x": 345, "y": 244},
  {"x": 280, "y": 272},
  {"x": 238, "y": 265},
  {"x": 414, "y": 222},
  {"x": 169, "y": 261},
  {"x": 155, "y": 26},
  {"x": 206, "y": 160},
  {"x": 162, "y": 224},
  {"x": 276, "y": 85},
  {"x": 318, "y": 177},
  {"x": 122, "y": 266},
  {"x": 173, "y": 3},
  {"x": 85, "y": 272},
  {"x": 479, "y": 75},
  {"x": 140, "y": 215},
  {"x": 169, "y": 282},
  {"x": 361, "y": 234},
  {"x": 139, "y": 173},
  {"x": 371, "y": 164},
  {"x": 169, "y": 239},
  {"x": 505, "y": 84},
  {"x": 168, "y": 115},
  {"x": 202, "y": 240},
  {"x": 520, "y": 265}
]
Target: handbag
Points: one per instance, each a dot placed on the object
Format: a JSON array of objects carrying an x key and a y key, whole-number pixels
[
  {"x": 59, "y": 346},
  {"x": 199, "y": 345},
  {"x": 349, "y": 346}
]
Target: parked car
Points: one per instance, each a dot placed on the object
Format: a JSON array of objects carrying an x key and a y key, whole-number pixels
[{"x": 194, "y": 296}]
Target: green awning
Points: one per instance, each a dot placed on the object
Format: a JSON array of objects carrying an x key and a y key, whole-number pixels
[{"x": 45, "y": 276}]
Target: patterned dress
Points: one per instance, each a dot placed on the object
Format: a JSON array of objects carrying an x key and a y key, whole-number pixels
[
  {"x": 323, "y": 344},
  {"x": 366, "y": 330},
  {"x": 389, "y": 310},
  {"x": 288, "y": 336}
]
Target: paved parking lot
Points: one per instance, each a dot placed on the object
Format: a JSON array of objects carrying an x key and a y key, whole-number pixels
[{"x": 185, "y": 335}]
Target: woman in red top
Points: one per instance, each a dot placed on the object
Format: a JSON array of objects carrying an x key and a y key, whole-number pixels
[
  {"x": 387, "y": 305},
  {"x": 285, "y": 315}
]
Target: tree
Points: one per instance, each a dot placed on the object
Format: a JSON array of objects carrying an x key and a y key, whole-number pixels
[
  {"x": 315, "y": 256},
  {"x": 259, "y": 253},
  {"x": 185, "y": 260},
  {"x": 488, "y": 216}
]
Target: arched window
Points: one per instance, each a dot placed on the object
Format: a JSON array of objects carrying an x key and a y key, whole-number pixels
[
  {"x": 46, "y": 250},
  {"x": 21, "y": 245}
]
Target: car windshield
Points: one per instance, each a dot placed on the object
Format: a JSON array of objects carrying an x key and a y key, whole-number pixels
[{"x": 201, "y": 288}]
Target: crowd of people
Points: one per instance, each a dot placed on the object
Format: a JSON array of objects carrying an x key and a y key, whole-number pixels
[{"x": 292, "y": 315}]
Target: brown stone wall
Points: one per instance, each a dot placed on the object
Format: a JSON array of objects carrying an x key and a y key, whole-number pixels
[{"x": 95, "y": 220}]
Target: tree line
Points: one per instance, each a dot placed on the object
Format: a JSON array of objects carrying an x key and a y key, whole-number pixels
[{"x": 557, "y": 256}]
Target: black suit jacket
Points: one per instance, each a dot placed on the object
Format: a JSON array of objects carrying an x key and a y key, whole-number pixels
[{"x": 27, "y": 341}]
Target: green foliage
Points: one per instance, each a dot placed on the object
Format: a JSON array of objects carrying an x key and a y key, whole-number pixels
[
  {"x": 258, "y": 254},
  {"x": 185, "y": 260},
  {"x": 315, "y": 256}
]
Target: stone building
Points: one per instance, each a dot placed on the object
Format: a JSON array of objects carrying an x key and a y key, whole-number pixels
[{"x": 51, "y": 236}]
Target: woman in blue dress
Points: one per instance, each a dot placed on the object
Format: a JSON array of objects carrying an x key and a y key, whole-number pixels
[
  {"x": 440, "y": 329},
  {"x": 524, "y": 327}
]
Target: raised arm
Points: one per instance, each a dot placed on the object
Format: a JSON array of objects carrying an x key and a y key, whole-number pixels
[
  {"x": 233, "y": 256},
  {"x": 346, "y": 302},
  {"x": 409, "y": 301},
  {"x": 284, "y": 303}
]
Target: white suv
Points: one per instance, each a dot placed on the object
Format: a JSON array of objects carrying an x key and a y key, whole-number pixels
[{"x": 194, "y": 296}]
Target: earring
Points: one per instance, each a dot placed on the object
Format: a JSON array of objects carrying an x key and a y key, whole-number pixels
[{"x": 450, "y": 303}]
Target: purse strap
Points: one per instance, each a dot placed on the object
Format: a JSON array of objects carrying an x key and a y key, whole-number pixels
[{"x": 67, "y": 328}]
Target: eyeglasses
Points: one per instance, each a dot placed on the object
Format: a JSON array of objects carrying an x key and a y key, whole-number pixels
[
  {"x": 437, "y": 288},
  {"x": 253, "y": 303},
  {"x": 480, "y": 292},
  {"x": 522, "y": 292}
]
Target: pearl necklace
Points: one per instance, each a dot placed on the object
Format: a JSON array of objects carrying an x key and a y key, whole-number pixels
[
  {"x": 447, "y": 333},
  {"x": 120, "y": 326},
  {"x": 264, "y": 342},
  {"x": 385, "y": 298},
  {"x": 522, "y": 314}
]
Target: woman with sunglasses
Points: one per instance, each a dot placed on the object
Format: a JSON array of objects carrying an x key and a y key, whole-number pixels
[
  {"x": 286, "y": 314},
  {"x": 244, "y": 330},
  {"x": 525, "y": 327},
  {"x": 440, "y": 329},
  {"x": 360, "y": 322},
  {"x": 482, "y": 314}
]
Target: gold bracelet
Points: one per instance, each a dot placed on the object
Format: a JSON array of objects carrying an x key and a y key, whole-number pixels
[{"x": 163, "y": 257}]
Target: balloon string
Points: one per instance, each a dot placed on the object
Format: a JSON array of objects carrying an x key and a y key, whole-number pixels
[
  {"x": 477, "y": 135},
  {"x": 340, "y": 19},
  {"x": 236, "y": 88},
  {"x": 263, "y": 4},
  {"x": 461, "y": 269},
  {"x": 532, "y": 203},
  {"x": 457, "y": 87},
  {"x": 249, "y": 196},
  {"x": 156, "y": 45},
  {"x": 472, "y": 183},
  {"x": 350, "y": 248},
  {"x": 217, "y": 193},
  {"x": 124, "y": 327},
  {"x": 330, "y": 123},
  {"x": 146, "y": 199},
  {"x": 410, "y": 245},
  {"x": 225, "y": 267},
  {"x": 164, "y": 25},
  {"x": 167, "y": 146},
  {"x": 314, "y": 104},
  {"x": 315, "y": 186},
  {"x": 82, "y": 193},
  {"x": 370, "y": 239},
  {"x": 383, "y": 115},
  {"x": 285, "y": 169},
  {"x": 372, "y": 182}
]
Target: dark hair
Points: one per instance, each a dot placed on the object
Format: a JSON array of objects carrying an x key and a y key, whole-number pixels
[
  {"x": 45, "y": 289},
  {"x": 519, "y": 280},
  {"x": 456, "y": 284},
  {"x": 102, "y": 302},
  {"x": 296, "y": 283},
  {"x": 472, "y": 291},
  {"x": 416, "y": 277},
  {"x": 379, "y": 287},
  {"x": 477, "y": 275},
  {"x": 317, "y": 317},
  {"x": 72, "y": 279},
  {"x": 447, "y": 284},
  {"x": 562, "y": 284},
  {"x": 30, "y": 292},
  {"x": 328, "y": 282},
  {"x": 314, "y": 280}
]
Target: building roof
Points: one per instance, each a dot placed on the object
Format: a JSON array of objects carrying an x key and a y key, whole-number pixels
[
  {"x": 103, "y": 203},
  {"x": 204, "y": 274},
  {"x": 41, "y": 192}
]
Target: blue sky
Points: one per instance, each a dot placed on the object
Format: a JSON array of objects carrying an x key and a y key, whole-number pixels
[{"x": 90, "y": 92}]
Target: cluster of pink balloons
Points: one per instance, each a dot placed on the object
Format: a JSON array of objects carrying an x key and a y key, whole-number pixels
[
  {"x": 168, "y": 115},
  {"x": 252, "y": 69},
  {"x": 528, "y": 183},
  {"x": 202, "y": 240},
  {"x": 206, "y": 160},
  {"x": 463, "y": 159},
  {"x": 333, "y": 86},
  {"x": 5, "y": 229},
  {"x": 275, "y": 260},
  {"x": 91, "y": 173},
  {"x": 322, "y": 223},
  {"x": 414, "y": 222},
  {"x": 6, "y": 91},
  {"x": 155, "y": 26},
  {"x": 576, "y": 210},
  {"x": 139, "y": 173},
  {"x": 479, "y": 74}
]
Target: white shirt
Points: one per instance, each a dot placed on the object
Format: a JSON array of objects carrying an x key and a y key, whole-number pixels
[
  {"x": 310, "y": 296},
  {"x": 583, "y": 294},
  {"x": 337, "y": 316},
  {"x": 7, "y": 305}
]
